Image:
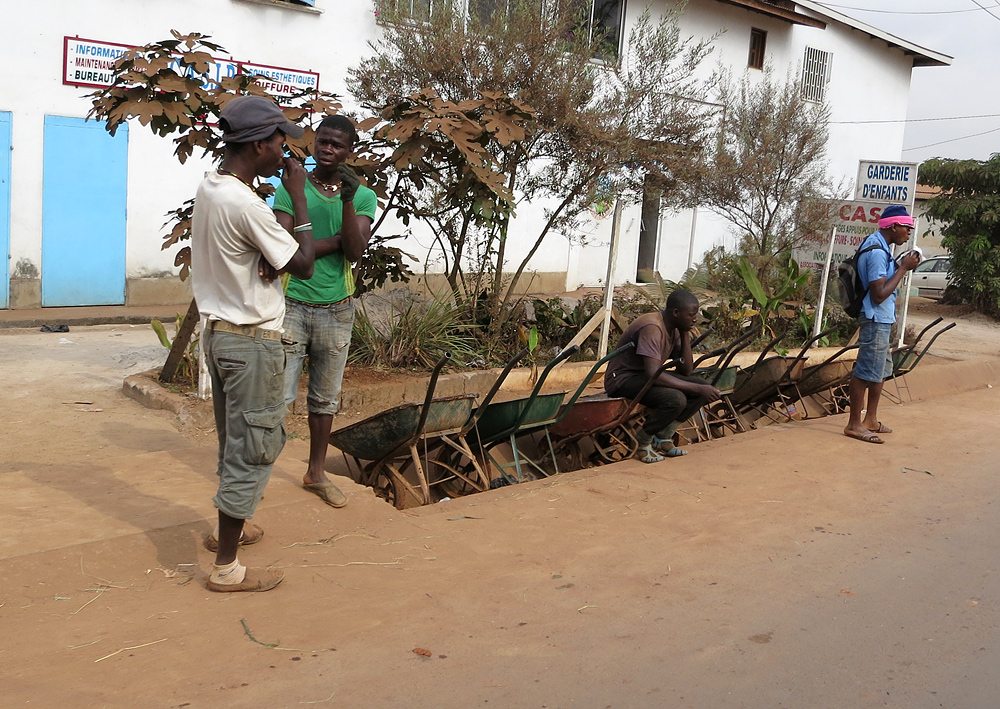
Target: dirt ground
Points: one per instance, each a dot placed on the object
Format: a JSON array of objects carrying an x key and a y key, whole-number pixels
[{"x": 785, "y": 567}]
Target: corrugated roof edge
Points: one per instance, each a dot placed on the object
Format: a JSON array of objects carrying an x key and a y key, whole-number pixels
[{"x": 921, "y": 55}]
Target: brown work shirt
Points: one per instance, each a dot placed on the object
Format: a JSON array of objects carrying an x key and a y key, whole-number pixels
[{"x": 652, "y": 339}]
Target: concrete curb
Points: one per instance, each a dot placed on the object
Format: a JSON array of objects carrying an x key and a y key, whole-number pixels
[
  {"x": 927, "y": 381},
  {"x": 83, "y": 316},
  {"x": 146, "y": 390}
]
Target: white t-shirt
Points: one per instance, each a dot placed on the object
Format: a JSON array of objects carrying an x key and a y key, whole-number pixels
[{"x": 230, "y": 228}]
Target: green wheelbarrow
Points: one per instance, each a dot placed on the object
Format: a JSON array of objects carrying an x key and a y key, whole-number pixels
[{"x": 506, "y": 421}]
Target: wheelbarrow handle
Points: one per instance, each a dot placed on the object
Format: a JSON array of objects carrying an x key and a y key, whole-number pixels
[
  {"x": 924, "y": 331},
  {"x": 733, "y": 349},
  {"x": 717, "y": 352},
  {"x": 767, "y": 348},
  {"x": 564, "y": 355},
  {"x": 494, "y": 389},
  {"x": 708, "y": 331},
  {"x": 430, "y": 390},
  {"x": 931, "y": 342},
  {"x": 590, "y": 376},
  {"x": 832, "y": 358}
]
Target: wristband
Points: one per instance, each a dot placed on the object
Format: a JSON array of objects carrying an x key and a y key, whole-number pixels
[{"x": 303, "y": 227}]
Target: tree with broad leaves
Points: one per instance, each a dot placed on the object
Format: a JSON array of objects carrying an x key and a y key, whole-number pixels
[
  {"x": 167, "y": 87},
  {"x": 598, "y": 128},
  {"x": 968, "y": 209}
]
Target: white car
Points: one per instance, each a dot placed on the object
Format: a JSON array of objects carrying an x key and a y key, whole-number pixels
[{"x": 932, "y": 276}]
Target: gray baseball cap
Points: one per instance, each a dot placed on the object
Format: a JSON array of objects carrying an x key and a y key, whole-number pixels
[{"x": 248, "y": 118}]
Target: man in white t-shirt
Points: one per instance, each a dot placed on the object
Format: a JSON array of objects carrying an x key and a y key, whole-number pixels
[{"x": 232, "y": 229}]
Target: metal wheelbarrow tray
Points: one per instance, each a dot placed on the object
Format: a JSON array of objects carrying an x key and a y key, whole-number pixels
[
  {"x": 389, "y": 439},
  {"x": 505, "y": 421},
  {"x": 770, "y": 384}
]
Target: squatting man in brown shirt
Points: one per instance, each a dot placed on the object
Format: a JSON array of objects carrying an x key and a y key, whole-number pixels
[{"x": 674, "y": 397}]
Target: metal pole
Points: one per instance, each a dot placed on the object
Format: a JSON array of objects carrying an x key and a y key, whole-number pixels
[
  {"x": 818, "y": 322},
  {"x": 609, "y": 284},
  {"x": 694, "y": 227}
]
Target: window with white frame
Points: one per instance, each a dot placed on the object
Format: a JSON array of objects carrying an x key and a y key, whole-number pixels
[
  {"x": 815, "y": 74},
  {"x": 418, "y": 10}
]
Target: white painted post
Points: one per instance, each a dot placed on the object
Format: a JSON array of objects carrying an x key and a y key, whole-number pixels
[
  {"x": 818, "y": 324},
  {"x": 609, "y": 283},
  {"x": 907, "y": 280},
  {"x": 694, "y": 230}
]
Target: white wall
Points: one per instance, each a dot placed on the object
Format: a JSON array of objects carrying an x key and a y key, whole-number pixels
[
  {"x": 869, "y": 81},
  {"x": 31, "y": 87}
]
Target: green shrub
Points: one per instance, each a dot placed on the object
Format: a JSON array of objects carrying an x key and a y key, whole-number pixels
[{"x": 403, "y": 331}]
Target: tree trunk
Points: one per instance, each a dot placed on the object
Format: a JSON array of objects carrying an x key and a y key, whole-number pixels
[{"x": 181, "y": 340}]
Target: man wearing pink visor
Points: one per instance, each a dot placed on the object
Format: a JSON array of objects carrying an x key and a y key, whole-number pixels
[{"x": 878, "y": 313}]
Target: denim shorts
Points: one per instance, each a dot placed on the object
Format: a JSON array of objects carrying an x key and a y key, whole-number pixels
[
  {"x": 324, "y": 335},
  {"x": 874, "y": 354},
  {"x": 247, "y": 381}
]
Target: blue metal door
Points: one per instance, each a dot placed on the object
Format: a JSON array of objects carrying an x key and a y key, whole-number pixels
[
  {"x": 5, "y": 148},
  {"x": 83, "y": 213}
]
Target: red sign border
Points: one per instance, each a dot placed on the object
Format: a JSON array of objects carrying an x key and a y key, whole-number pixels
[{"x": 66, "y": 82}]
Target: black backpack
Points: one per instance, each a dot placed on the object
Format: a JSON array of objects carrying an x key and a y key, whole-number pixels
[{"x": 851, "y": 289}]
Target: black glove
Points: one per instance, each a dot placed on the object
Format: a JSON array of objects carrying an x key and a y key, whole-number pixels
[{"x": 349, "y": 182}]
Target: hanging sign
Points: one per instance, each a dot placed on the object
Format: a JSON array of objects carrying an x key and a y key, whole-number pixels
[
  {"x": 887, "y": 182},
  {"x": 854, "y": 221},
  {"x": 92, "y": 63}
]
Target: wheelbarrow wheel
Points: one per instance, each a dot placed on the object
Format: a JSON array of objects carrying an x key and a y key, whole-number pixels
[
  {"x": 721, "y": 420},
  {"x": 455, "y": 474},
  {"x": 615, "y": 445},
  {"x": 569, "y": 455},
  {"x": 382, "y": 483},
  {"x": 388, "y": 483}
]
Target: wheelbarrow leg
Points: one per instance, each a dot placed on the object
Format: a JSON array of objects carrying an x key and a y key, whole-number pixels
[
  {"x": 517, "y": 458},
  {"x": 421, "y": 477},
  {"x": 552, "y": 450}
]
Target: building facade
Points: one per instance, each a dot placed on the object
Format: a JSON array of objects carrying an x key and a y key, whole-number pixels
[{"x": 82, "y": 213}]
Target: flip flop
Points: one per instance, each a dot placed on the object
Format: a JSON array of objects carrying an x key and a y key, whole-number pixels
[
  {"x": 328, "y": 492},
  {"x": 882, "y": 428},
  {"x": 648, "y": 454},
  {"x": 870, "y": 437},
  {"x": 666, "y": 447},
  {"x": 251, "y": 534}
]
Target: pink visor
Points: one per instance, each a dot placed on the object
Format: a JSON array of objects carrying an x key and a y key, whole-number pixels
[{"x": 905, "y": 220}]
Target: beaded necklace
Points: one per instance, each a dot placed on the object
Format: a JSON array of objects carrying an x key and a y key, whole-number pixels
[
  {"x": 230, "y": 173},
  {"x": 332, "y": 188}
]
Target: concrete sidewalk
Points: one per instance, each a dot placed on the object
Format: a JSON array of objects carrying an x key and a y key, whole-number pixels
[{"x": 90, "y": 315}]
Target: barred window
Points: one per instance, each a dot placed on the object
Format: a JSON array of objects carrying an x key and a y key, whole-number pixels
[{"x": 815, "y": 74}]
